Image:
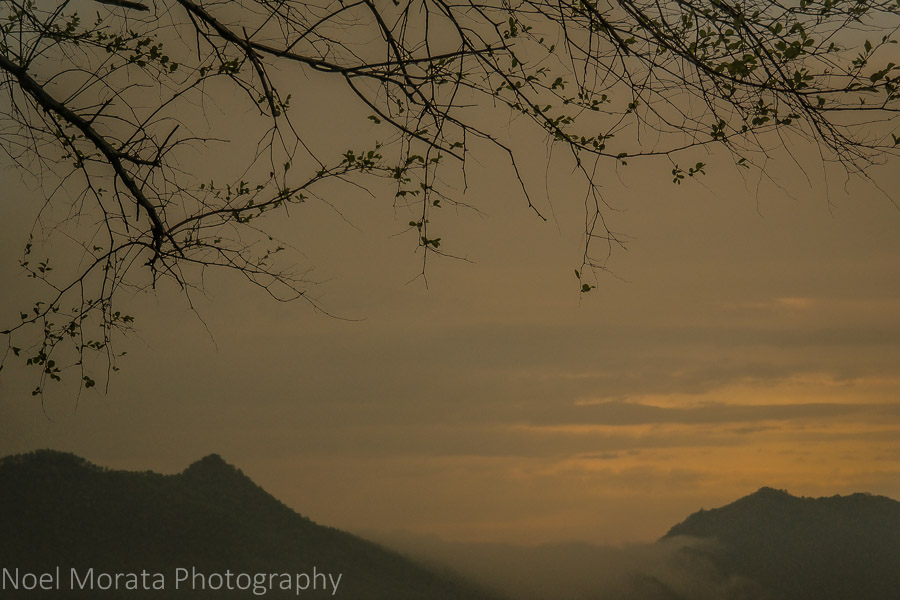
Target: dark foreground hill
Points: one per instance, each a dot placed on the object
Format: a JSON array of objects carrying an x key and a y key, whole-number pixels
[
  {"x": 836, "y": 548},
  {"x": 58, "y": 510}
]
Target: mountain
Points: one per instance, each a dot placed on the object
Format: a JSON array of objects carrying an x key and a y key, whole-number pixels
[
  {"x": 835, "y": 548},
  {"x": 769, "y": 545},
  {"x": 59, "y": 510}
]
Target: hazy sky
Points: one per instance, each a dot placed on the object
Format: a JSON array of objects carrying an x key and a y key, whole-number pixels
[{"x": 751, "y": 337}]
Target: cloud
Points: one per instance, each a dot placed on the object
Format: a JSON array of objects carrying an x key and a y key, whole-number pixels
[
  {"x": 619, "y": 413},
  {"x": 789, "y": 302}
]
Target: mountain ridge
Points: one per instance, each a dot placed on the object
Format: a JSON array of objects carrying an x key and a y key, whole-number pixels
[
  {"x": 59, "y": 509},
  {"x": 828, "y": 548}
]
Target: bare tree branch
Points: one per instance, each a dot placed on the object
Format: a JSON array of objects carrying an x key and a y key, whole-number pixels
[{"x": 110, "y": 114}]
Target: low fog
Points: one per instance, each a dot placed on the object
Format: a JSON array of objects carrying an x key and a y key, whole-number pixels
[{"x": 668, "y": 569}]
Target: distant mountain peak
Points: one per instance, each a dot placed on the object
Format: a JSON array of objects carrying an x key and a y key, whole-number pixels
[
  {"x": 214, "y": 467},
  {"x": 768, "y": 492},
  {"x": 778, "y": 511},
  {"x": 212, "y": 472},
  {"x": 57, "y": 508},
  {"x": 766, "y": 497},
  {"x": 803, "y": 548},
  {"x": 211, "y": 463}
]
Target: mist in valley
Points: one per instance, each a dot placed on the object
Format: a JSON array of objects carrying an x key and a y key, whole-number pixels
[{"x": 670, "y": 568}]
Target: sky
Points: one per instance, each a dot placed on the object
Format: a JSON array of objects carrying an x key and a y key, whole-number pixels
[{"x": 748, "y": 336}]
